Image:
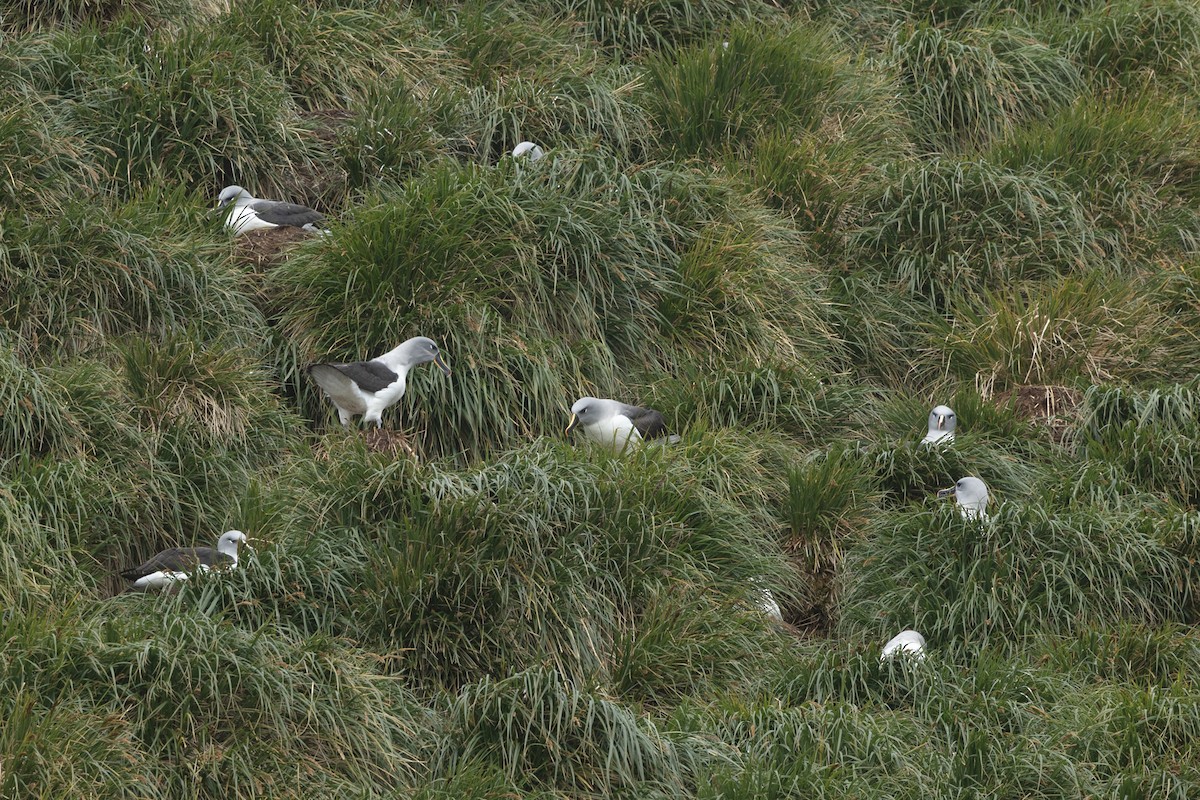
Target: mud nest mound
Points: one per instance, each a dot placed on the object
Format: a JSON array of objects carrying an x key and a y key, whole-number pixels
[
  {"x": 1055, "y": 407},
  {"x": 267, "y": 247}
]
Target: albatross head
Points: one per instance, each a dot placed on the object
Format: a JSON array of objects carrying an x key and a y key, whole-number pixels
[
  {"x": 589, "y": 411},
  {"x": 417, "y": 350},
  {"x": 228, "y": 543},
  {"x": 942, "y": 421},
  {"x": 971, "y": 494},
  {"x": 229, "y": 194}
]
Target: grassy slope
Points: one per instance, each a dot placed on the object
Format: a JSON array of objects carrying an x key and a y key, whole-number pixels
[{"x": 792, "y": 230}]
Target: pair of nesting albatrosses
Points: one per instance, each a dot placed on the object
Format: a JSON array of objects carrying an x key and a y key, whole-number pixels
[{"x": 970, "y": 493}]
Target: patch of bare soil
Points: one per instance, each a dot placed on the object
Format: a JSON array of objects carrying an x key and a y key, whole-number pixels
[
  {"x": 326, "y": 123},
  {"x": 1051, "y": 406}
]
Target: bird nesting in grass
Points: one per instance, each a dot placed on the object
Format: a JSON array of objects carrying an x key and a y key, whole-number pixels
[
  {"x": 170, "y": 567},
  {"x": 528, "y": 150},
  {"x": 368, "y": 387},
  {"x": 909, "y": 644},
  {"x": 249, "y": 213},
  {"x": 764, "y": 600},
  {"x": 971, "y": 495},
  {"x": 941, "y": 425},
  {"x": 616, "y": 425}
]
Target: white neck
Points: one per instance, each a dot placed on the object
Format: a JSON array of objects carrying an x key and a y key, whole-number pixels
[{"x": 395, "y": 360}]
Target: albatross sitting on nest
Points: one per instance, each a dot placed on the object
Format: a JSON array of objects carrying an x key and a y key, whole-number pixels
[
  {"x": 971, "y": 495},
  {"x": 368, "y": 387},
  {"x": 528, "y": 150},
  {"x": 250, "y": 213},
  {"x": 941, "y": 425},
  {"x": 616, "y": 424},
  {"x": 177, "y": 564},
  {"x": 906, "y": 643}
]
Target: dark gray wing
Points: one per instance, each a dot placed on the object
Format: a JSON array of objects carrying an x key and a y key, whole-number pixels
[
  {"x": 279, "y": 213},
  {"x": 176, "y": 559},
  {"x": 649, "y": 423},
  {"x": 371, "y": 376}
]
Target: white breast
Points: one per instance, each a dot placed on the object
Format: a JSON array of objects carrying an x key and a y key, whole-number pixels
[
  {"x": 243, "y": 218},
  {"x": 616, "y": 432}
]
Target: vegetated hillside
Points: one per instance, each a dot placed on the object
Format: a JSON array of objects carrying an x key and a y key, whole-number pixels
[{"x": 791, "y": 227}]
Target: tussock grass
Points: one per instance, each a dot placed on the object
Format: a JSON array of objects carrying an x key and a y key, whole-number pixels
[
  {"x": 792, "y": 247},
  {"x": 580, "y": 248},
  {"x": 535, "y": 77},
  {"x": 394, "y": 133},
  {"x": 634, "y": 26},
  {"x": 569, "y": 737},
  {"x": 197, "y": 106},
  {"x": 46, "y": 159},
  {"x": 334, "y": 56},
  {"x": 949, "y": 226},
  {"x": 241, "y": 708},
  {"x": 1128, "y": 41},
  {"x": 552, "y": 556},
  {"x": 20, "y": 16},
  {"x": 1133, "y": 164},
  {"x": 1093, "y": 327},
  {"x": 723, "y": 93},
  {"x": 971, "y": 84},
  {"x": 972, "y": 584},
  {"x": 1149, "y": 436}
]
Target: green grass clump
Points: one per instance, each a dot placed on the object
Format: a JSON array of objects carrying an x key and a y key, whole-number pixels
[
  {"x": 949, "y": 226},
  {"x": 197, "y": 106},
  {"x": 1149, "y": 436},
  {"x": 551, "y": 556},
  {"x": 46, "y": 158},
  {"x": 969, "y": 85},
  {"x": 971, "y": 584},
  {"x": 333, "y": 57},
  {"x": 90, "y": 271},
  {"x": 394, "y": 133},
  {"x": 634, "y": 26},
  {"x": 20, "y": 16},
  {"x": 1133, "y": 164},
  {"x": 1057, "y": 332},
  {"x": 1130, "y": 41},
  {"x": 569, "y": 737},
  {"x": 721, "y": 94}
]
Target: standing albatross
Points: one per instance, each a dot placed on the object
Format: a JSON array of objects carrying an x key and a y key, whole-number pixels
[
  {"x": 616, "y": 424},
  {"x": 177, "y": 564},
  {"x": 368, "y": 387},
  {"x": 249, "y": 213}
]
